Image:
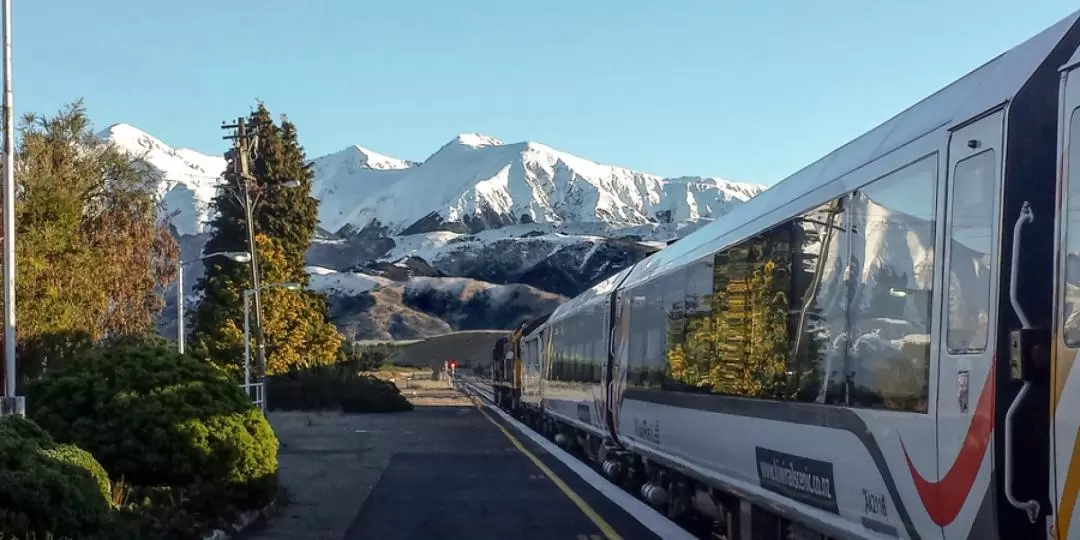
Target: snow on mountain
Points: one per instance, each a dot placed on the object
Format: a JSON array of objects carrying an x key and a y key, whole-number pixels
[
  {"x": 478, "y": 182},
  {"x": 472, "y": 183},
  {"x": 189, "y": 178},
  {"x": 344, "y": 179},
  {"x": 343, "y": 283}
]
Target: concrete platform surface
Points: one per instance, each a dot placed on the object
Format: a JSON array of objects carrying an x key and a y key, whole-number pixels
[{"x": 438, "y": 472}]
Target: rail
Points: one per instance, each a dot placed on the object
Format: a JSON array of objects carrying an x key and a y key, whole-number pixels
[
  {"x": 257, "y": 393},
  {"x": 472, "y": 386}
]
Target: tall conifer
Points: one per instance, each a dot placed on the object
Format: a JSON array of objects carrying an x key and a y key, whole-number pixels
[{"x": 286, "y": 217}]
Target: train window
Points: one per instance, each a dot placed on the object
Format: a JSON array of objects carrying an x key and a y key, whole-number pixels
[
  {"x": 654, "y": 349},
  {"x": 971, "y": 234},
  {"x": 639, "y": 315},
  {"x": 674, "y": 294},
  {"x": 743, "y": 333},
  {"x": 1071, "y": 283},
  {"x": 892, "y": 263},
  {"x": 636, "y": 348},
  {"x": 689, "y": 369}
]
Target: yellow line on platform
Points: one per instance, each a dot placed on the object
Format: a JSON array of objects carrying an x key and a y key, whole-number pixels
[{"x": 606, "y": 529}]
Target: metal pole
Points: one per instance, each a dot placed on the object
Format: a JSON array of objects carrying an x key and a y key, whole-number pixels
[
  {"x": 9, "y": 213},
  {"x": 256, "y": 286},
  {"x": 244, "y": 175},
  {"x": 247, "y": 344},
  {"x": 180, "y": 304}
]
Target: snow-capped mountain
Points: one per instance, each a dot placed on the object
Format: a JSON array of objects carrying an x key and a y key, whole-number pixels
[
  {"x": 524, "y": 224},
  {"x": 344, "y": 179},
  {"x": 189, "y": 179},
  {"x": 472, "y": 183},
  {"x": 476, "y": 182}
]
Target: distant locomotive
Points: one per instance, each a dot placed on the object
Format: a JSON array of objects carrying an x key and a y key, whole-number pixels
[
  {"x": 879, "y": 346},
  {"x": 505, "y": 367}
]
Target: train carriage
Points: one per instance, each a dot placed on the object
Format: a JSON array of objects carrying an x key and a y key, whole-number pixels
[
  {"x": 512, "y": 366},
  {"x": 879, "y": 346},
  {"x": 574, "y": 387},
  {"x": 853, "y": 324}
]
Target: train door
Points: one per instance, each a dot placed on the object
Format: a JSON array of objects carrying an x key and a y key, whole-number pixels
[
  {"x": 1065, "y": 381},
  {"x": 961, "y": 497},
  {"x": 606, "y": 373},
  {"x": 618, "y": 347}
]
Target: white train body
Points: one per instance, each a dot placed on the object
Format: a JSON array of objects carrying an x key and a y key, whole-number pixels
[{"x": 879, "y": 346}]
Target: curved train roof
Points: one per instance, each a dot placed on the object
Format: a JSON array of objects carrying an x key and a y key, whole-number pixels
[
  {"x": 991, "y": 84},
  {"x": 597, "y": 293}
]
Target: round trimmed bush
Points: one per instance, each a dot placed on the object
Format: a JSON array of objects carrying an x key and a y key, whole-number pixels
[
  {"x": 49, "y": 488},
  {"x": 157, "y": 418}
]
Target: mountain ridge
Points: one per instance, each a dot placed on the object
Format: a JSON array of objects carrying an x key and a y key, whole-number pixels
[{"x": 474, "y": 182}]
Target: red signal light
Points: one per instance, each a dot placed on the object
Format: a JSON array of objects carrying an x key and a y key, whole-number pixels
[{"x": 453, "y": 364}]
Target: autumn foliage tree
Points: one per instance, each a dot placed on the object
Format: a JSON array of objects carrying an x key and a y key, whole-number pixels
[{"x": 92, "y": 252}]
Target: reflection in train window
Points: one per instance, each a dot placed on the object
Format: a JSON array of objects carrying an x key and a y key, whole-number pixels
[
  {"x": 819, "y": 253},
  {"x": 823, "y": 308},
  {"x": 892, "y": 242},
  {"x": 972, "y": 233},
  {"x": 1071, "y": 315}
]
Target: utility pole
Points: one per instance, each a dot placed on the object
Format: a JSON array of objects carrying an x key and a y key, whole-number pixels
[
  {"x": 243, "y": 142},
  {"x": 12, "y": 404}
]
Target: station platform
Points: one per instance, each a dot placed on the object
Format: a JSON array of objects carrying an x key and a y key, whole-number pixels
[
  {"x": 453, "y": 468},
  {"x": 468, "y": 474}
]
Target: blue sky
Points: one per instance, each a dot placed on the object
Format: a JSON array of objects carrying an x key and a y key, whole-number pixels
[{"x": 749, "y": 91}]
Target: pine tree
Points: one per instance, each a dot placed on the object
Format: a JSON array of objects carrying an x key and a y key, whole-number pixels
[{"x": 285, "y": 220}]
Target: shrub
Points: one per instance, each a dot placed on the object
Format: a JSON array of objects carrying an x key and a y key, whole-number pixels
[
  {"x": 49, "y": 488},
  {"x": 157, "y": 418},
  {"x": 340, "y": 386},
  {"x": 364, "y": 358}
]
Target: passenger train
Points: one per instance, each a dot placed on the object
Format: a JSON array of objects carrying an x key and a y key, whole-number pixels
[{"x": 879, "y": 346}]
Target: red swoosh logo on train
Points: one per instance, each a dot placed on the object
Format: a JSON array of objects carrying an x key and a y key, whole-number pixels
[{"x": 944, "y": 498}]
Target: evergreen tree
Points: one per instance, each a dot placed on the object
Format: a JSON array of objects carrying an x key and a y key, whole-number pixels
[{"x": 285, "y": 219}]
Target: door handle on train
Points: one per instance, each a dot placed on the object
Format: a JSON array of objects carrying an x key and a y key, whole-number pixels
[
  {"x": 1019, "y": 339},
  {"x": 611, "y": 341}
]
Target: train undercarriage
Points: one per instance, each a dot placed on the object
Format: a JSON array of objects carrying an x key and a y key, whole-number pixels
[{"x": 703, "y": 510}]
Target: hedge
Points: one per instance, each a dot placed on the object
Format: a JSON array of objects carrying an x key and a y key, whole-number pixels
[
  {"x": 340, "y": 386},
  {"x": 156, "y": 418}
]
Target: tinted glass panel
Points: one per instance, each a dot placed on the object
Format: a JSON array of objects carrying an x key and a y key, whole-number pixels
[
  {"x": 892, "y": 259},
  {"x": 819, "y": 304},
  {"x": 830, "y": 307},
  {"x": 972, "y": 234}
]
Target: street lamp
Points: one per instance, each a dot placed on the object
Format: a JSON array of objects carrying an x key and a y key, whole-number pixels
[
  {"x": 237, "y": 256},
  {"x": 247, "y": 326}
]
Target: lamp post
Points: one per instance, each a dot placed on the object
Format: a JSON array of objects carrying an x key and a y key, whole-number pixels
[
  {"x": 248, "y": 293},
  {"x": 238, "y": 256}
]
